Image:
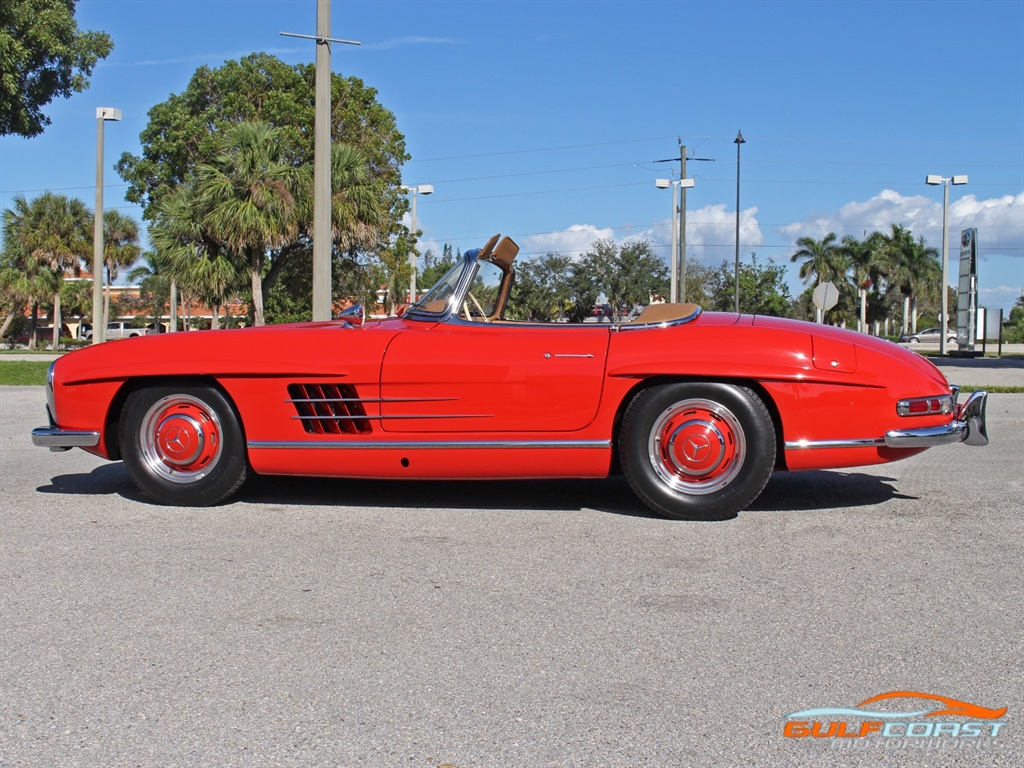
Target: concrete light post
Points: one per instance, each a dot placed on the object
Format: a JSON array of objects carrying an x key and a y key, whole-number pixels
[
  {"x": 945, "y": 182},
  {"x": 98, "y": 325},
  {"x": 677, "y": 185},
  {"x": 414, "y": 192}
]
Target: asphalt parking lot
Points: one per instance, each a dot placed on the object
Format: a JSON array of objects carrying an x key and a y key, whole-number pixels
[{"x": 494, "y": 625}]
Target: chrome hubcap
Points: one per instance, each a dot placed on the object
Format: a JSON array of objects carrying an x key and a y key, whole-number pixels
[
  {"x": 697, "y": 446},
  {"x": 180, "y": 439}
]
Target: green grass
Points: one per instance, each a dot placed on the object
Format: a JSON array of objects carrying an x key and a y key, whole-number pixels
[
  {"x": 994, "y": 390},
  {"x": 23, "y": 373}
]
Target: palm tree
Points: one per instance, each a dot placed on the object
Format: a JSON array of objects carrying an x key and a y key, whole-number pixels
[
  {"x": 359, "y": 220},
  {"x": 152, "y": 276},
  {"x": 187, "y": 253},
  {"x": 912, "y": 267},
  {"x": 357, "y": 213},
  {"x": 250, "y": 199},
  {"x": 51, "y": 236},
  {"x": 21, "y": 283},
  {"x": 824, "y": 261},
  {"x": 120, "y": 249},
  {"x": 865, "y": 262}
]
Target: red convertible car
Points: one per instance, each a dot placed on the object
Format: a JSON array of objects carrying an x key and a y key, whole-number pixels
[{"x": 696, "y": 408}]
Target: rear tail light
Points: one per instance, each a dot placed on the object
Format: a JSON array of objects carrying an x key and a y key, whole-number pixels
[{"x": 925, "y": 406}]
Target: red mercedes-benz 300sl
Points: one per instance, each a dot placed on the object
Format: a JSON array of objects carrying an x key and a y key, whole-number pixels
[{"x": 696, "y": 408}]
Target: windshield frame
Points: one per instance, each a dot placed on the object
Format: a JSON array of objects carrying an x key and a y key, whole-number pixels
[{"x": 458, "y": 279}]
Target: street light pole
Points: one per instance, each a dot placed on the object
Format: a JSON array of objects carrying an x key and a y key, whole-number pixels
[
  {"x": 98, "y": 325},
  {"x": 681, "y": 184},
  {"x": 738, "y": 141},
  {"x": 935, "y": 180},
  {"x": 414, "y": 192}
]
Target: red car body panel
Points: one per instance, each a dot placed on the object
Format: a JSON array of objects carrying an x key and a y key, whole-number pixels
[
  {"x": 508, "y": 381},
  {"x": 448, "y": 391}
]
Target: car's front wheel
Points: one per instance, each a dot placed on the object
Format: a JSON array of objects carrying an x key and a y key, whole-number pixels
[
  {"x": 914, "y": 340},
  {"x": 697, "y": 451},
  {"x": 183, "y": 445}
]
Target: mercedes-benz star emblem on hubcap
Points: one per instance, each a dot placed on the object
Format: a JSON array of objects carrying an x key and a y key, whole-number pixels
[
  {"x": 177, "y": 438},
  {"x": 696, "y": 447}
]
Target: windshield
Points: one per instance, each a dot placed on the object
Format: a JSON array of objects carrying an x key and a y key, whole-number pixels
[
  {"x": 477, "y": 299},
  {"x": 484, "y": 290},
  {"x": 437, "y": 298}
]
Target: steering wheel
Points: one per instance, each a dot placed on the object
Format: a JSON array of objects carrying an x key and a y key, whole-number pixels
[{"x": 476, "y": 304}]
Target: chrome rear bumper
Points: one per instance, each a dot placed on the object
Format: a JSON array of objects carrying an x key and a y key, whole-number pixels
[
  {"x": 57, "y": 439},
  {"x": 968, "y": 427}
]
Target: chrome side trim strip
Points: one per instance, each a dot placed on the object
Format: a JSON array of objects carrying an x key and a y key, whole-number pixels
[
  {"x": 810, "y": 445},
  {"x": 371, "y": 399},
  {"x": 385, "y": 417},
  {"x": 425, "y": 445},
  {"x": 922, "y": 437}
]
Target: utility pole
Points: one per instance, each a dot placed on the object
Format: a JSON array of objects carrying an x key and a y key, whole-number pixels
[
  {"x": 682, "y": 223},
  {"x": 679, "y": 256},
  {"x": 322, "y": 239}
]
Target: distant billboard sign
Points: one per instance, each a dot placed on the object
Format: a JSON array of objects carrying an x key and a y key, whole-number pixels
[{"x": 967, "y": 290}]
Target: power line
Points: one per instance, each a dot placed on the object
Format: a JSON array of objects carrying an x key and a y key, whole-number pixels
[{"x": 541, "y": 149}]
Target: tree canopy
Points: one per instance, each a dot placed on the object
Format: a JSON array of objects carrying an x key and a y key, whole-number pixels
[
  {"x": 45, "y": 238},
  {"x": 184, "y": 131},
  {"x": 763, "y": 289},
  {"x": 43, "y": 56}
]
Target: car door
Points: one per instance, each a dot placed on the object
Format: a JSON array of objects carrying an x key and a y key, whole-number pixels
[{"x": 493, "y": 377}]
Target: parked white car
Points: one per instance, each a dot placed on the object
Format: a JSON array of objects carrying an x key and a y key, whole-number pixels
[{"x": 120, "y": 330}]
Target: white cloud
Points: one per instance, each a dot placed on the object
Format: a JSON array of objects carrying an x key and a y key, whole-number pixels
[
  {"x": 573, "y": 241},
  {"x": 1000, "y": 220},
  {"x": 711, "y": 234}
]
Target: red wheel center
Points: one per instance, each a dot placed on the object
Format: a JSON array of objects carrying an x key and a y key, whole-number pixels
[
  {"x": 695, "y": 447},
  {"x": 181, "y": 439}
]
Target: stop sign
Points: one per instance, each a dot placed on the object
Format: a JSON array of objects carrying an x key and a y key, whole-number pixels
[{"x": 825, "y": 296}]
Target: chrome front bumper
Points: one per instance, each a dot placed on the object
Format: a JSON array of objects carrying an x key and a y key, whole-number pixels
[{"x": 55, "y": 438}]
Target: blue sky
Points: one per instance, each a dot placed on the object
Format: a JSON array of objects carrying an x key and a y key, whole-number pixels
[{"x": 541, "y": 120}]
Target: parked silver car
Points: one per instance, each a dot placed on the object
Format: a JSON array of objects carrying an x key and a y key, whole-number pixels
[{"x": 928, "y": 335}]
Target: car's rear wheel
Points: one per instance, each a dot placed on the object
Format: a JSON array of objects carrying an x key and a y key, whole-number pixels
[
  {"x": 697, "y": 451},
  {"x": 183, "y": 445}
]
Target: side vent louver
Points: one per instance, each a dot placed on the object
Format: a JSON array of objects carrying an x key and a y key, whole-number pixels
[{"x": 329, "y": 409}]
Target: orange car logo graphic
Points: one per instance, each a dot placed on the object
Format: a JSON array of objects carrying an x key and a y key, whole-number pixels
[
  {"x": 873, "y": 717},
  {"x": 948, "y": 707}
]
